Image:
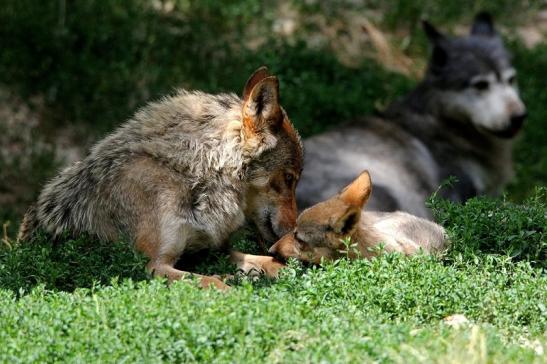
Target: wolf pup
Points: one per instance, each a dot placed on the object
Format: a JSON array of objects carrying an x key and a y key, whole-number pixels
[
  {"x": 182, "y": 175},
  {"x": 459, "y": 121},
  {"x": 322, "y": 229}
]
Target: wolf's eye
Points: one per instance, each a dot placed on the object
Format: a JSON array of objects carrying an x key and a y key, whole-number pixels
[
  {"x": 481, "y": 85},
  {"x": 511, "y": 80},
  {"x": 289, "y": 178}
]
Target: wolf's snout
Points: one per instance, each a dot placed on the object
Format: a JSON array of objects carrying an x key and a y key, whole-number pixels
[
  {"x": 517, "y": 121},
  {"x": 513, "y": 127}
]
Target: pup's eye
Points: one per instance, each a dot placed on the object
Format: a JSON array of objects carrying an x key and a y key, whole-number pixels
[
  {"x": 289, "y": 178},
  {"x": 512, "y": 80},
  {"x": 481, "y": 85}
]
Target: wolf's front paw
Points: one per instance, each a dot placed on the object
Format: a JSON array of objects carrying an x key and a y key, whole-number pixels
[
  {"x": 261, "y": 265},
  {"x": 250, "y": 269},
  {"x": 272, "y": 267}
]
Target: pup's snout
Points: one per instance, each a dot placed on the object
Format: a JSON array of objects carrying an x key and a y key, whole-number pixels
[
  {"x": 273, "y": 249},
  {"x": 284, "y": 247},
  {"x": 276, "y": 250},
  {"x": 517, "y": 121}
]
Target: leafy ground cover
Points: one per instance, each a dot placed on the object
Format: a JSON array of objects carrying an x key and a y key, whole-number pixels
[{"x": 387, "y": 310}]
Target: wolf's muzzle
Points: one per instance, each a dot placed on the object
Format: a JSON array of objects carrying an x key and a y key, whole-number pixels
[
  {"x": 515, "y": 125},
  {"x": 517, "y": 121}
]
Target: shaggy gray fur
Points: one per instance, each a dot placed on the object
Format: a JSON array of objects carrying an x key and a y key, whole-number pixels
[{"x": 445, "y": 127}]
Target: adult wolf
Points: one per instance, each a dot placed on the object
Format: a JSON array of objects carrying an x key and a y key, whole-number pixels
[
  {"x": 459, "y": 121},
  {"x": 182, "y": 175}
]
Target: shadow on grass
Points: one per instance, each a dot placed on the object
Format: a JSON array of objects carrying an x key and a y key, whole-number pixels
[
  {"x": 84, "y": 262},
  {"x": 67, "y": 264}
]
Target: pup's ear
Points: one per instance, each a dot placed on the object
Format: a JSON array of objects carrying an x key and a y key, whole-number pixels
[
  {"x": 483, "y": 25},
  {"x": 432, "y": 33},
  {"x": 261, "y": 109},
  {"x": 346, "y": 223},
  {"x": 357, "y": 193}
]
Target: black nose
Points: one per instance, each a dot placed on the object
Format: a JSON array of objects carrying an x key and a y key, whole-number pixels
[{"x": 518, "y": 120}]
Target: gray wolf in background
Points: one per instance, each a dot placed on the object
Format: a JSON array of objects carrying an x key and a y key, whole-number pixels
[
  {"x": 322, "y": 229},
  {"x": 181, "y": 176},
  {"x": 459, "y": 121}
]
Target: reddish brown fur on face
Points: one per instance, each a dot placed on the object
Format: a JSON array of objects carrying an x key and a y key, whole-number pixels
[
  {"x": 287, "y": 210},
  {"x": 298, "y": 151},
  {"x": 289, "y": 247},
  {"x": 272, "y": 205},
  {"x": 285, "y": 197},
  {"x": 290, "y": 208},
  {"x": 249, "y": 127}
]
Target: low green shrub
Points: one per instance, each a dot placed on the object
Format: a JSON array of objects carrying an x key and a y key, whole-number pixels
[
  {"x": 484, "y": 225},
  {"x": 67, "y": 264},
  {"x": 389, "y": 309}
]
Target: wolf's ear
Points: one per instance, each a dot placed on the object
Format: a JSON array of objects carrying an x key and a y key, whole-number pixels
[
  {"x": 255, "y": 78},
  {"x": 483, "y": 25},
  {"x": 439, "y": 55},
  {"x": 261, "y": 109},
  {"x": 439, "y": 58},
  {"x": 346, "y": 223},
  {"x": 357, "y": 193},
  {"x": 432, "y": 33}
]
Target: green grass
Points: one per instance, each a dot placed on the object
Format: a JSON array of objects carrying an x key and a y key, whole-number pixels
[
  {"x": 386, "y": 310},
  {"x": 83, "y": 300},
  {"x": 497, "y": 226}
]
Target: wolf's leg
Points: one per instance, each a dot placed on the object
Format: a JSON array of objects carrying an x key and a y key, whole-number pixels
[
  {"x": 256, "y": 264},
  {"x": 164, "y": 250},
  {"x": 161, "y": 267},
  {"x": 154, "y": 195}
]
